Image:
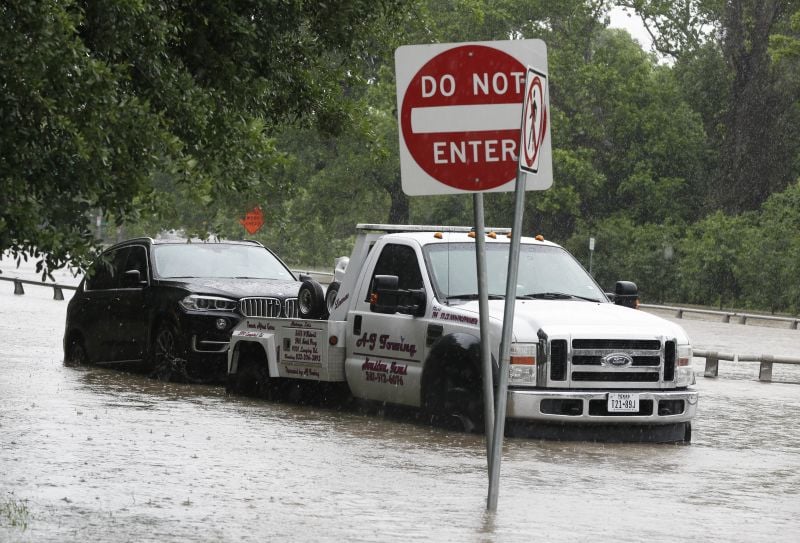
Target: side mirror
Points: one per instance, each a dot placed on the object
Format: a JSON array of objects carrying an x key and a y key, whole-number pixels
[
  {"x": 385, "y": 297},
  {"x": 132, "y": 278},
  {"x": 626, "y": 294},
  {"x": 417, "y": 303}
]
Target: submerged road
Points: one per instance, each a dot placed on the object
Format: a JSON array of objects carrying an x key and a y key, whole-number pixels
[{"x": 92, "y": 454}]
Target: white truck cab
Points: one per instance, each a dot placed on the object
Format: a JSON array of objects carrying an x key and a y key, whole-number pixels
[{"x": 401, "y": 326}]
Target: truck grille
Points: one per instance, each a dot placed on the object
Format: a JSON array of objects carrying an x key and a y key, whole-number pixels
[
  {"x": 616, "y": 363},
  {"x": 268, "y": 307}
]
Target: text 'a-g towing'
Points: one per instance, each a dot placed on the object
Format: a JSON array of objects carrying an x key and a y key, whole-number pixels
[{"x": 400, "y": 326}]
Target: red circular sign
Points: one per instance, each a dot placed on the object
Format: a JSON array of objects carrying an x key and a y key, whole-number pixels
[{"x": 458, "y": 120}]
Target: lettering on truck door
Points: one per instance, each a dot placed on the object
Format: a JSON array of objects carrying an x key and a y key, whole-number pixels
[{"x": 385, "y": 352}]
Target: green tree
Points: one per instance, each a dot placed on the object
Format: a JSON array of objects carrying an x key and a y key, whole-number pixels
[
  {"x": 768, "y": 260},
  {"x": 709, "y": 256},
  {"x": 755, "y": 127},
  {"x": 644, "y": 254},
  {"x": 100, "y": 98}
]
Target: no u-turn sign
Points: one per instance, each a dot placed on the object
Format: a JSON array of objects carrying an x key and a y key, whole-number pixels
[{"x": 460, "y": 113}]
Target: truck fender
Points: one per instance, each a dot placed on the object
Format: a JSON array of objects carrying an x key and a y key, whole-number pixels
[
  {"x": 245, "y": 338},
  {"x": 457, "y": 350}
]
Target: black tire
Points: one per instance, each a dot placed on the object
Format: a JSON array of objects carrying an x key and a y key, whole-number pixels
[
  {"x": 330, "y": 295},
  {"x": 251, "y": 379},
  {"x": 455, "y": 399},
  {"x": 168, "y": 361},
  {"x": 76, "y": 354},
  {"x": 687, "y": 433},
  {"x": 311, "y": 301}
]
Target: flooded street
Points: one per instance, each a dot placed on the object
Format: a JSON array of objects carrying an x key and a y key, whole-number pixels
[{"x": 99, "y": 455}]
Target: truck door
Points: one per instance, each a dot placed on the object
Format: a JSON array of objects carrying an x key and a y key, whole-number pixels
[{"x": 386, "y": 351}]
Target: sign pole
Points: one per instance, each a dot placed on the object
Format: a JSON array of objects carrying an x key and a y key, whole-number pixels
[
  {"x": 483, "y": 310},
  {"x": 505, "y": 344},
  {"x": 533, "y": 130}
]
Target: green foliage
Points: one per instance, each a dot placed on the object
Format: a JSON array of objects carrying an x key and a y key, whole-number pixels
[
  {"x": 114, "y": 105},
  {"x": 768, "y": 259},
  {"x": 14, "y": 513},
  {"x": 643, "y": 254},
  {"x": 708, "y": 256},
  {"x": 752, "y": 120},
  {"x": 186, "y": 114}
]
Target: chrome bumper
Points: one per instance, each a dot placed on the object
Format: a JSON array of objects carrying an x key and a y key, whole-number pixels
[{"x": 586, "y": 406}]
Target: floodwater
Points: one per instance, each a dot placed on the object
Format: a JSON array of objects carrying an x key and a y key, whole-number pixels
[{"x": 92, "y": 454}]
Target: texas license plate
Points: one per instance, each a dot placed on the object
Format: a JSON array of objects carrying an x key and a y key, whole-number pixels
[{"x": 623, "y": 402}]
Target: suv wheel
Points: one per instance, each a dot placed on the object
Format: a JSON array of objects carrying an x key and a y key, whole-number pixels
[
  {"x": 76, "y": 354},
  {"x": 165, "y": 354}
]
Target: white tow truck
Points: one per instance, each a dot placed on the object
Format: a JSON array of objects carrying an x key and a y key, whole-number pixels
[{"x": 400, "y": 325}]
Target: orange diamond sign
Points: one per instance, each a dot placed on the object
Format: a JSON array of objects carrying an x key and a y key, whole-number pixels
[{"x": 253, "y": 220}]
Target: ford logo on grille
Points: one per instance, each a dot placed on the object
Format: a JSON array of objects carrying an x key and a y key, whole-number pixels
[{"x": 618, "y": 360}]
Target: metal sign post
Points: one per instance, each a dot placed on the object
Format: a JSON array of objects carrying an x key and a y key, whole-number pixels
[
  {"x": 505, "y": 345},
  {"x": 483, "y": 312},
  {"x": 534, "y": 128}
]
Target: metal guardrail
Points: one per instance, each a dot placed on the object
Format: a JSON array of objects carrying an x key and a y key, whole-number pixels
[
  {"x": 764, "y": 371},
  {"x": 326, "y": 278},
  {"x": 58, "y": 290},
  {"x": 726, "y": 316}
]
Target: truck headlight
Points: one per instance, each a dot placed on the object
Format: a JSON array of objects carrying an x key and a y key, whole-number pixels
[
  {"x": 684, "y": 374},
  {"x": 196, "y": 302},
  {"x": 522, "y": 370}
]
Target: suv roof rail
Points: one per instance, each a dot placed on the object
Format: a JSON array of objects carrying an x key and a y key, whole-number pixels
[
  {"x": 423, "y": 228},
  {"x": 175, "y": 241}
]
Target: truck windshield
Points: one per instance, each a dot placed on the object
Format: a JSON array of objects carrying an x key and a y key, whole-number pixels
[{"x": 545, "y": 272}]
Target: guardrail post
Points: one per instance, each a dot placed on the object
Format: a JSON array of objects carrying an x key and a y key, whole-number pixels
[
  {"x": 58, "y": 294},
  {"x": 18, "y": 289},
  {"x": 765, "y": 370},
  {"x": 712, "y": 365},
  {"x": 726, "y": 317},
  {"x": 794, "y": 325},
  {"x": 742, "y": 319},
  {"x": 679, "y": 314}
]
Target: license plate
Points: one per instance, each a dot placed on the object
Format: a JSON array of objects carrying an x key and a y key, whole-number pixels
[{"x": 623, "y": 402}]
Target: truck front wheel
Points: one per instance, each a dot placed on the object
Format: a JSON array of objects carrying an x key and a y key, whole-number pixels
[
  {"x": 687, "y": 433},
  {"x": 455, "y": 399}
]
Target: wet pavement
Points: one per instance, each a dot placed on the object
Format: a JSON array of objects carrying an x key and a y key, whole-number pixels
[{"x": 92, "y": 454}]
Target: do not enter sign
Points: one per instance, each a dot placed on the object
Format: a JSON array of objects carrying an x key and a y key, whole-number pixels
[{"x": 460, "y": 112}]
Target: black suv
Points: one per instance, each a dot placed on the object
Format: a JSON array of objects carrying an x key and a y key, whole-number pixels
[{"x": 169, "y": 306}]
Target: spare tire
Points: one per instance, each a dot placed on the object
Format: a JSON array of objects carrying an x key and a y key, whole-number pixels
[
  {"x": 311, "y": 301},
  {"x": 330, "y": 295}
]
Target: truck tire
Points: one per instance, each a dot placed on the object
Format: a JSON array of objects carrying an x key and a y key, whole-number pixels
[
  {"x": 452, "y": 391},
  {"x": 251, "y": 379},
  {"x": 455, "y": 399},
  {"x": 330, "y": 295},
  {"x": 311, "y": 301}
]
